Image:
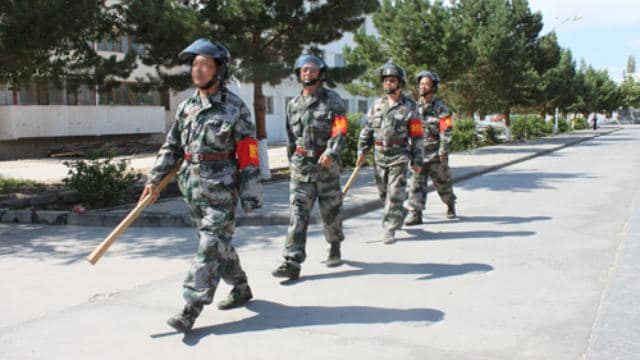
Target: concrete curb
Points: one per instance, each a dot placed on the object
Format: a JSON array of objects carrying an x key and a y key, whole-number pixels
[{"x": 355, "y": 206}]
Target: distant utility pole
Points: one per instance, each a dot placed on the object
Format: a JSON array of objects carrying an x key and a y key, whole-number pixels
[{"x": 560, "y": 22}]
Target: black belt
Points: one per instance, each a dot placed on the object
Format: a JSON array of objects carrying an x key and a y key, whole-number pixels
[
  {"x": 210, "y": 156},
  {"x": 393, "y": 142},
  {"x": 309, "y": 153}
]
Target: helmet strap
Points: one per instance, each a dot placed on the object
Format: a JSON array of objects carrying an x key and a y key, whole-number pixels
[
  {"x": 426, "y": 93},
  {"x": 310, "y": 82},
  {"x": 209, "y": 84},
  {"x": 392, "y": 91}
]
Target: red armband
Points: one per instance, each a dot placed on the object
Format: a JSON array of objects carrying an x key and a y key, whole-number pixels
[
  {"x": 415, "y": 128},
  {"x": 445, "y": 123},
  {"x": 339, "y": 125},
  {"x": 247, "y": 152}
]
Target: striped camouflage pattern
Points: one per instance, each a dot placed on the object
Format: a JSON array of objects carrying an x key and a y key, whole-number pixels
[
  {"x": 391, "y": 159},
  {"x": 391, "y": 182},
  {"x": 309, "y": 122},
  {"x": 309, "y": 126},
  {"x": 440, "y": 175},
  {"x": 212, "y": 189},
  {"x": 391, "y": 125},
  {"x": 436, "y": 143}
]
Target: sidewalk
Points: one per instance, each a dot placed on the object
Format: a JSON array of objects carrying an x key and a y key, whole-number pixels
[
  {"x": 362, "y": 196},
  {"x": 51, "y": 170}
]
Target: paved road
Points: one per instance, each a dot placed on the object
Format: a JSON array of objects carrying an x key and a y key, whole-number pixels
[{"x": 541, "y": 264}]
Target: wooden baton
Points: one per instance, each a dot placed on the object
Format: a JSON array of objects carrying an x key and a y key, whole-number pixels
[
  {"x": 351, "y": 178},
  {"x": 97, "y": 253}
]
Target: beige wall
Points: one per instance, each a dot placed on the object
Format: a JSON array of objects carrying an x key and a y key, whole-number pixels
[{"x": 60, "y": 120}]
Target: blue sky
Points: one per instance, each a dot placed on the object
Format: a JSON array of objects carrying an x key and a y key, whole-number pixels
[{"x": 606, "y": 34}]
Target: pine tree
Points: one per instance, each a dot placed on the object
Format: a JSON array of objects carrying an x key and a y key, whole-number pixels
[
  {"x": 264, "y": 37},
  {"x": 54, "y": 39},
  {"x": 631, "y": 66},
  {"x": 417, "y": 35},
  {"x": 509, "y": 61}
]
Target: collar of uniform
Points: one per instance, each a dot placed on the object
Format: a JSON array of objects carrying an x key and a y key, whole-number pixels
[
  {"x": 401, "y": 101},
  {"x": 422, "y": 102},
  {"x": 318, "y": 94},
  {"x": 206, "y": 101}
]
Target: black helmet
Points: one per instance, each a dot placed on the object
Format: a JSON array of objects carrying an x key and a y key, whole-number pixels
[
  {"x": 209, "y": 48},
  {"x": 434, "y": 79},
  {"x": 391, "y": 69},
  {"x": 309, "y": 59}
]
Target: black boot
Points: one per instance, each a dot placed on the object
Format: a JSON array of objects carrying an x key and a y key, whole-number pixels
[
  {"x": 183, "y": 322},
  {"x": 334, "y": 258},
  {"x": 237, "y": 297},
  {"x": 451, "y": 211},
  {"x": 287, "y": 269},
  {"x": 414, "y": 218}
]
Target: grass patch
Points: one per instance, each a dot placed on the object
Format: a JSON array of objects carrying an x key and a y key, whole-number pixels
[
  {"x": 9, "y": 185},
  {"x": 11, "y": 189}
]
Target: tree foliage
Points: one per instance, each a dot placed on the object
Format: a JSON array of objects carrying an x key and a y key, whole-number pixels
[
  {"x": 55, "y": 39},
  {"x": 416, "y": 35},
  {"x": 264, "y": 37}
]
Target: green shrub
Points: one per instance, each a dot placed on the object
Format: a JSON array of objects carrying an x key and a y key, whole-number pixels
[
  {"x": 547, "y": 128},
  {"x": 464, "y": 134},
  {"x": 101, "y": 183},
  {"x": 520, "y": 129},
  {"x": 350, "y": 153},
  {"x": 10, "y": 185},
  {"x": 491, "y": 136},
  {"x": 530, "y": 126},
  {"x": 563, "y": 125},
  {"x": 580, "y": 123}
]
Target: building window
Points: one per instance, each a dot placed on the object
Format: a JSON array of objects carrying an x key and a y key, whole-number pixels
[
  {"x": 86, "y": 95},
  {"x": 72, "y": 96},
  {"x": 42, "y": 93},
  {"x": 268, "y": 105},
  {"x": 48, "y": 93},
  {"x": 338, "y": 60},
  {"x": 6, "y": 95},
  {"x": 362, "y": 106},
  {"x": 346, "y": 105},
  {"x": 119, "y": 43},
  {"x": 123, "y": 94}
]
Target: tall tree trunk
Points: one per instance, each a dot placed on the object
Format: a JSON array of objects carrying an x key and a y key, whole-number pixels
[
  {"x": 507, "y": 123},
  {"x": 261, "y": 129},
  {"x": 259, "y": 112}
]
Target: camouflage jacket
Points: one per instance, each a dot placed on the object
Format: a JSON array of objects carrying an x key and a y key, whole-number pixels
[
  {"x": 316, "y": 125},
  {"x": 218, "y": 124},
  {"x": 390, "y": 130},
  {"x": 438, "y": 128}
]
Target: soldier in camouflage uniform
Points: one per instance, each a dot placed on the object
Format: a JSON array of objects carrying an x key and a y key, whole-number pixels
[
  {"x": 394, "y": 130},
  {"x": 316, "y": 128},
  {"x": 215, "y": 136},
  {"x": 438, "y": 129}
]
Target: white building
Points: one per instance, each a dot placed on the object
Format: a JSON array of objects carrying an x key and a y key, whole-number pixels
[
  {"x": 276, "y": 98},
  {"x": 40, "y": 118}
]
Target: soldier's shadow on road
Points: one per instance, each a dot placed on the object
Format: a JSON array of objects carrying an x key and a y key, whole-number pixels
[
  {"x": 271, "y": 316},
  {"x": 427, "y": 270},
  {"x": 423, "y": 235},
  {"x": 500, "y": 220}
]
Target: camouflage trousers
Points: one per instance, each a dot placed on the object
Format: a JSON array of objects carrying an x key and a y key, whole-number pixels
[
  {"x": 392, "y": 183},
  {"x": 301, "y": 199},
  {"x": 440, "y": 175},
  {"x": 216, "y": 258}
]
